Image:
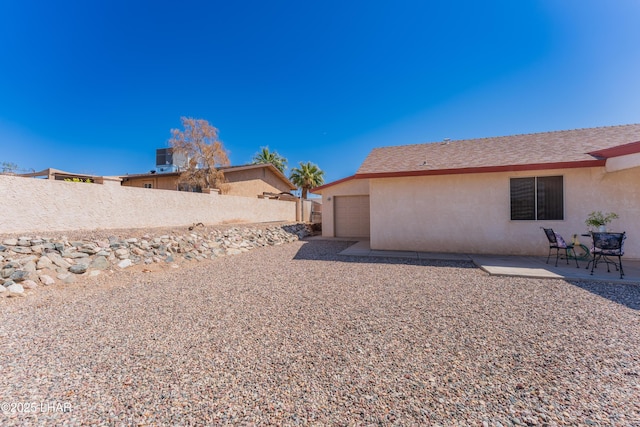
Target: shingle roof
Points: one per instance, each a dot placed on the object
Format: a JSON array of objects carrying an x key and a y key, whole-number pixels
[{"x": 518, "y": 151}]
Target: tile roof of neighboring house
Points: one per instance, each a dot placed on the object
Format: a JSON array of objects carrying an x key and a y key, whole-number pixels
[{"x": 570, "y": 148}]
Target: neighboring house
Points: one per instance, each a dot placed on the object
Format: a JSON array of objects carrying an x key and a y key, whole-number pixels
[
  {"x": 490, "y": 195},
  {"x": 247, "y": 180},
  {"x": 59, "y": 175}
]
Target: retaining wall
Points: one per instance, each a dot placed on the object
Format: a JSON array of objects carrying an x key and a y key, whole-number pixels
[{"x": 30, "y": 204}]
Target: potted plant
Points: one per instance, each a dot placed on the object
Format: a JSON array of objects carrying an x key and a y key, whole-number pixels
[{"x": 598, "y": 221}]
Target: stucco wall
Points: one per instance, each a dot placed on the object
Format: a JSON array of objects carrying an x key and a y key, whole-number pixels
[
  {"x": 249, "y": 188},
  {"x": 256, "y": 181},
  {"x": 31, "y": 205},
  {"x": 354, "y": 187},
  {"x": 471, "y": 213},
  {"x": 158, "y": 181},
  {"x": 308, "y": 208}
]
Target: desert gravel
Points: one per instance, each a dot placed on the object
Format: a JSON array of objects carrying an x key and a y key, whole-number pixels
[{"x": 297, "y": 335}]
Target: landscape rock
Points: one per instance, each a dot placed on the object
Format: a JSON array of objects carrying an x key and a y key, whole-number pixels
[
  {"x": 46, "y": 280},
  {"x": 78, "y": 268},
  {"x": 138, "y": 251},
  {"x": 90, "y": 248},
  {"x": 34, "y": 260},
  {"x": 125, "y": 263},
  {"x": 99, "y": 263},
  {"x": 44, "y": 262},
  {"x": 67, "y": 277},
  {"x": 15, "y": 289},
  {"x": 19, "y": 275},
  {"x": 29, "y": 284},
  {"x": 58, "y": 260},
  {"x": 29, "y": 266},
  {"x": 74, "y": 255},
  {"x": 122, "y": 253},
  {"x": 6, "y": 272},
  {"x": 21, "y": 249}
]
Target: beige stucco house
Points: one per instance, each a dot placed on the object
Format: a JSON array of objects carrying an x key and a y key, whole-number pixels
[
  {"x": 490, "y": 195},
  {"x": 247, "y": 180}
]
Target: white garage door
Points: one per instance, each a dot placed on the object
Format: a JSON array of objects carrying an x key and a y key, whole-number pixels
[{"x": 351, "y": 216}]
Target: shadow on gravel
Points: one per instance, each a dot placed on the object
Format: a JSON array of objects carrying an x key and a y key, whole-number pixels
[
  {"x": 621, "y": 293},
  {"x": 326, "y": 250}
]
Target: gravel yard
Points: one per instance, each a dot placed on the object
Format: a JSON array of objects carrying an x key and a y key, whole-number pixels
[{"x": 295, "y": 335}]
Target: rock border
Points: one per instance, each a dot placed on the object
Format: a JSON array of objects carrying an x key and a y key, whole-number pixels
[{"x": 29, "y": 262}]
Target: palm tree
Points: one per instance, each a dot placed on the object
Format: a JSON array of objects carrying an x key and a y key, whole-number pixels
[
  {"x": 266, "y": 156},
  {"x": 306, "y": 177}
]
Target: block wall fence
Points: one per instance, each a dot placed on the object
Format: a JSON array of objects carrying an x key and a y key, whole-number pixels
[{"x": 33, "y": 205}]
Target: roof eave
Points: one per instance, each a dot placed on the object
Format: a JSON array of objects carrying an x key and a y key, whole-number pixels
[
  {"x": 318, "y": 190},
  {"x": 617, "y": 151},
  {"x": 485, "y": 169}
]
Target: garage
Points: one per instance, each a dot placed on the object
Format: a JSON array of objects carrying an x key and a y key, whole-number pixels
[{"x": 351, "y": 215}]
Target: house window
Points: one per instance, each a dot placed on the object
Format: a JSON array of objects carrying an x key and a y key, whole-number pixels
[
  {"x": 148, "y": 186},
  {"x": 537, "y": 198}
]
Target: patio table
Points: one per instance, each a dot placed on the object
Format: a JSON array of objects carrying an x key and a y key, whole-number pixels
[{"x": 580, "y": 250}]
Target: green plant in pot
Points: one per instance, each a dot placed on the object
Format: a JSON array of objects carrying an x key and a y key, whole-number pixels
[{"x": 597, "y": 221}]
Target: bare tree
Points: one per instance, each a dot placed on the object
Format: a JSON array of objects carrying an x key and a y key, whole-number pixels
[{"x": 203, "y": 152}]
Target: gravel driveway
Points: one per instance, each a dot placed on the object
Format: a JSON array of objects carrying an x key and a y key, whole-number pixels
[{"x": 296, "y": 335}]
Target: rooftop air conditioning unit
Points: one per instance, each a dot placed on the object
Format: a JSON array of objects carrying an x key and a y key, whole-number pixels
[{"x": 168, "y": 161}]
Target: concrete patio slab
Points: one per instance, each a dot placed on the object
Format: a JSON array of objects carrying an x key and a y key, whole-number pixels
[
  {"x": 515, "y": 266},
  {"x": 497, "y": 265},
  {"x": 359, "y": 249},
  {"x": 362, "y": 248},
  {"x": 522, "y": 266}
]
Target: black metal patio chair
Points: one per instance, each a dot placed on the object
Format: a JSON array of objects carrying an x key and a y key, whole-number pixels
[
  {"x": 558, "y": 243},
  {"x": 606, "y": 246}
]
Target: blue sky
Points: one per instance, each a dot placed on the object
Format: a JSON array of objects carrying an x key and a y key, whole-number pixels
[{"x": 95, "y": 87}]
